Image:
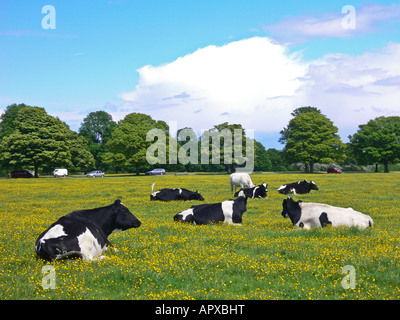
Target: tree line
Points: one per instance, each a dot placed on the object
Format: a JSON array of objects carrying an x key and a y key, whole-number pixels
[{"x": 32, "y": 139}]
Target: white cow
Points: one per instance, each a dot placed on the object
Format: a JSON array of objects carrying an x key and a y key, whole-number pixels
[
  {"x": 309, "y": 215},
  {"x": 240, "y": 179}
]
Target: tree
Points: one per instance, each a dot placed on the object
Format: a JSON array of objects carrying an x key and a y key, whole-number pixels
[
  {"x": 262, "y": 161},
  {"x": 7, "y": 125},
  {"x": 228, "y": 146},
  {"x": 38, "y": 139},
  {"x": 81, "y": 157},
  {"x": 129, "y": 139},
  {"x": 97, "y": 128},
  {"x": 311, "y": 137},
  {"x": 378, "y": 141},
  {"x": 278, "y": 161}
]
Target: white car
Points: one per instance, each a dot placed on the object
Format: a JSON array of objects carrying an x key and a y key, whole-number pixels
[
  {"x": 60, "y": 173},
  {"x": 95, "y": 173}
]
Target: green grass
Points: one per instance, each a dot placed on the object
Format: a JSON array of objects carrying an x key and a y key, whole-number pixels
[{"x": 265, "y": 258}]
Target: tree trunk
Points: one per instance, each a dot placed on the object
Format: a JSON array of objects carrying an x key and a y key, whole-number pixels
[
  {"x": 36, "y": 171},
  {"x": 386, "y": 164},
  {"x": 311, "y": 167},
  {"x": 376, "y": 167}
]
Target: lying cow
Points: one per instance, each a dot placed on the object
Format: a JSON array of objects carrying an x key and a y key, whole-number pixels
[
  {"x": 229, "y": 211},
  {"x": 255, "y": 192},
  {"x": 84, "y": 233},
  {"x": 240, "y": 179},
  {"x": 300, "y": 187},
  {"x": 168, "y": 194},
  {"x": 309, "y": 215}
]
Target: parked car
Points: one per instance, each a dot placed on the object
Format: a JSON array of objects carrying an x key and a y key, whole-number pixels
[
  {"x": 60, "y": 173},
  {"x": 95, "y": 173},
  {"x": 334, "y": 170},
  {"x": 156, "y": 171},
  {"x": 21, "y": 174}
]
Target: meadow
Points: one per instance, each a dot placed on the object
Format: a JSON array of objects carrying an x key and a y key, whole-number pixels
[{"x": 265, "y": 258}]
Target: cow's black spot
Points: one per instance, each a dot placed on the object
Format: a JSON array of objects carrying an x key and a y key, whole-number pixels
[{"x": 323, "y": 219}]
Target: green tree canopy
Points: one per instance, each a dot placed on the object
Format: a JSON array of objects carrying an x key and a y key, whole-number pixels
[
  {"x": 97, "y": 128},
  {"x": 38, "y": 139},
  {"x": 7, "y": 125},
  {"x": 311, "y": 137},
  {"x": 378, "y": 141},
  {"x": 128, "y": 140}
]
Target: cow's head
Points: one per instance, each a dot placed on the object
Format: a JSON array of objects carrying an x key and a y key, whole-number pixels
[
  {"x": 291, "y": 209},
  {"x": 262, "y": 190},
  {"x": 123, "y": 218},
  {"x": 196, "y": 196},
  {"x": 313, "y": 186}
]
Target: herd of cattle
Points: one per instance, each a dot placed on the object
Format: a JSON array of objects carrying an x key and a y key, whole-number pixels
[{"x": 84, "y": 233}]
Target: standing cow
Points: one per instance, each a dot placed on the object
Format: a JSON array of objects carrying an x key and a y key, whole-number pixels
[
  {"x": 84, "y": 233},
  {"x": 309, "y": 215},
  {"x": 230, "y": 211},
  {"x": 300, "y": 187},
  {"x": 240, "y": 179}
]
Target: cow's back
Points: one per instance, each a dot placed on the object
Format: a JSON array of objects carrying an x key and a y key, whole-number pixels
[{"x": 336, "y": 216}]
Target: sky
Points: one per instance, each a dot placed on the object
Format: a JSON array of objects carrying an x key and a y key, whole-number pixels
[{"x": 201, "y": 63}]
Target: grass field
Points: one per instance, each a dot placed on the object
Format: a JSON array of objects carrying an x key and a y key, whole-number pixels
[{"x": 265, "y": 258}]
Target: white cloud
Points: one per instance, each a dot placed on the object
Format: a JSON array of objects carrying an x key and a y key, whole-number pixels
[
  {"x": 257, "y": 83},
  {"x": 368, "y": 18},
  {"x": 354, "y": 89},
  {"x": 240, "y": 82}
]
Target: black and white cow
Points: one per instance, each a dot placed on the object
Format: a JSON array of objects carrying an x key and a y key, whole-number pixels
[
  {"x": 309, "y": 215},
  {"x": 84, "y": 233},
  {"x": 300, "y": 187},
  {"x": 255, "y": 192},
  {"x": 230, "y": 211},
  {"x": 168, "y": 194}
]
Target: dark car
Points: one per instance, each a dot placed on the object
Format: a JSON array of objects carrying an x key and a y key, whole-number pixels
[
  {"x": 21, "y": 174},
  {"x": 334, "y": 170},
  {"x": 156, "y": 171}
]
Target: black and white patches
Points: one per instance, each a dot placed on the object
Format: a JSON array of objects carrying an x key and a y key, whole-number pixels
[
  {"x": 83, "y": 233},
  {"x": 323, "y": 219},
  {"x": 168, "y": 194},
  {"x": 255, "y": 192},
  {"x": 229, "y": 211},
  {"x": 310, "y": 215},
  {"x": 300, "y": 187}
]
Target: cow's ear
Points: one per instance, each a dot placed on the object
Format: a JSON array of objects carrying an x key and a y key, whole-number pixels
[
  {"x": 117, "y": 202},
  {"x": 299, "y": 201},
  {"x": 197, "y": 191}
]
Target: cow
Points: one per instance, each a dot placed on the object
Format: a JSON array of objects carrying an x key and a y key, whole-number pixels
[
  {"x": 309, "y": 215},
  {"x": 168, "y": 194},
  {"x": 229, "y": 211},
  {"x": 83, "y": 233},
  {"x": 240, "y": 179},
  {"x": 300, "y": 187},
  {"x": 255, "y": 192}
]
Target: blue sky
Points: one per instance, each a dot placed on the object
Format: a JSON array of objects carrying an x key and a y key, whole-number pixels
[{"x": 201, "y": 63}]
